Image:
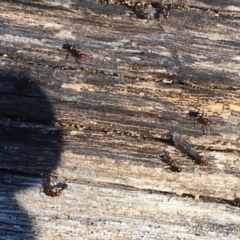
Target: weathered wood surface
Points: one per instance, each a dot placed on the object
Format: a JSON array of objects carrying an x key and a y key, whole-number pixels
[{"x": 101, "y": 123}]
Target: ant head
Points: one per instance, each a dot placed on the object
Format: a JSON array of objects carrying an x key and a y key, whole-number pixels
[
  {"x": 236, "y": 202},
  {"x": 175, "y": 169},
  {"x": 204, "y": 162},
  {"x": 179, "y": 169}
]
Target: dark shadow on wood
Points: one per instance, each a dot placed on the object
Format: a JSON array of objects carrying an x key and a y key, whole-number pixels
[{"x": 30, "y": 146}]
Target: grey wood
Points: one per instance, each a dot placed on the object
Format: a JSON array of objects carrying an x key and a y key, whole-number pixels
[{"x": 102, "y": 123}]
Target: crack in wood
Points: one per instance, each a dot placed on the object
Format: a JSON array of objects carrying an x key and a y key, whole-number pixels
[{"x": 116, "y": 87}]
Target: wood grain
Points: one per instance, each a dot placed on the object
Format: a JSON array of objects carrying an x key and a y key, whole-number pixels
[{"x": 102, "y": 123}]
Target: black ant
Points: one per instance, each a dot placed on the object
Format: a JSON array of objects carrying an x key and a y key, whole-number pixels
[
  {"x": 204, "y": 122},
  {"x": 197, "y": 157},
  {"x": 171, "y": 162},
  {"x": 236, "y": 202},
  {"x": 185, "y": 146},
  {"x": 52, "y": 187},
  {"x": 200, "y": 119},
  {"x": 139, "y": 11},
  {"x": 166, "y": 12},
  {"x": 71, "y": 48},
  {"x": 181, "y": 143},
  {"x": 193, "y": 114}
]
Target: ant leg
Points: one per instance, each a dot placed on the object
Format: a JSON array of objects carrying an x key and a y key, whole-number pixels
[
  {"x": 133, "y": 16},
  {"x": 148, "y": 17},
  {"x": 194, "y": 123},
  {"x": 76, "y": 60},
  {"x": 208, "y": 131},
  {"x": 67, "y": 55},
  {"x": 67, "y": 42},
  {"x": 171, "y": 126},
  {"x": 123, "y": 10},
  {"x": 41, "y": 190},
  {"x": 166, "y": 153}
]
